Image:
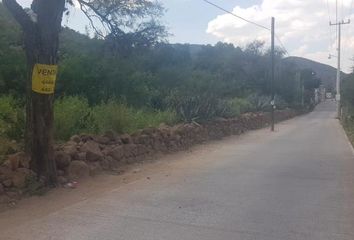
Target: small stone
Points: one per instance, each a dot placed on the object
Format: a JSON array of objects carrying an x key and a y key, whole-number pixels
[
  {"x": 5, "y": 173},
  {"x": 93, "y": 151},
  {"x": 130, "y": 150},
  {"x": 13, "y": 162},
  {"x": 81, "y": 156},
  {"x": 95, "y": 169},
  {"x": 14, "y": 195},
  {"x": 62, "y": 159},
  {"x": 62, "y": 180},
  {"x": 75, "y": 138},
  {"x": 85, "y": 137},
  {"x": 7, "y": 183},
  {"x": 2, "y": 190},
  {"x": 102, "y": 139},
  {"x": 117, "y": 153},
  {"x": 111, "y": 135},
  {"x": 92, "y": 156},
  {"x": 105, "y": 164},
  {"x": 4, "y": 199},
  {"x": 126, "y": 138},
  {"x": 60, "y": 172},
  {"x": 70, "y": 148},
  {"x": 18, "y": 160},
  {"x": 78, "y": 169},
  {"x": 20, "y": 176}
]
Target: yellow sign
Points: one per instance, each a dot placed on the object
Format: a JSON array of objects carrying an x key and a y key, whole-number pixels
[{"x": 43, "y": 78}]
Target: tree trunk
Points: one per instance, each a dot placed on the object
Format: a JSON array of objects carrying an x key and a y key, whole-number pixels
[{"x": 41, "y": 36}]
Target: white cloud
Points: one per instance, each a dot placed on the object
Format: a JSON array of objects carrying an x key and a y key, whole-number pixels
[{"x": 302, "y": 25}]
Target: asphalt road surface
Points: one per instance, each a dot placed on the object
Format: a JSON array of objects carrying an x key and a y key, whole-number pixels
[{"x": 296, "y": 183}]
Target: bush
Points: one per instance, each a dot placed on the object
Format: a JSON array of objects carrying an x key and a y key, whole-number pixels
[
  {"x": 112, "y": 116},
  {"x": 121, "y": 118},
  {"x": 348, "y": 124},
  {"x": 152, "y": 118},
  {"x": 12, "y": 118},
  {"x": 72, "y": 115},
  {"x": 262, "y": 102},
  {"x": 200, "y": 108},
  {"x": 7, "y": 146},
  {"x": 238, "y": 106}
]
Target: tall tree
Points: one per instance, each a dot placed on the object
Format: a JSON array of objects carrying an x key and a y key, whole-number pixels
[{"x": 41, "y": 25}]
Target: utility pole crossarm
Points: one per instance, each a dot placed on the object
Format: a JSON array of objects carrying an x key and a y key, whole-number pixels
[{"x": 339, "y": 23}]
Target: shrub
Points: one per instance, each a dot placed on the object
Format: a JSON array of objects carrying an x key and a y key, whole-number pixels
[
  {"x": 237, "y": 106},
  {"x": 262, "y": 102},
  {"x": 72, "y": 115},
  {"x": 191, "y": 108},
  {"x": 121, "y": 118},
  {"x": 153, "y": 118},
  {"x": 7, "y": 146},
  {"x": 12, "y": 118},
  {"x": 112, "y": 116}
]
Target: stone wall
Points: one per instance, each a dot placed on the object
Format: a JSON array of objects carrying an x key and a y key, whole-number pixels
[{"x": 87, "y": 155}]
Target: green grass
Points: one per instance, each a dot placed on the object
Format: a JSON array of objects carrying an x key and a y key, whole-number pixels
[
  {"x": 348, "y": 126},
  {"x": 73, "y": 115},
  {"x": 123, "y": 119}
]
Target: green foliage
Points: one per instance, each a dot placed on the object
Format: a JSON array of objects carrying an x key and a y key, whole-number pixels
[
  {"x": 347, "y": 94},
  {"x": 33, "y": 187},
  {"x": 7, "y": 146},
  {"x": 131, "y": 24},
  {"x": 348, "y": 106},
  {"x": 12, "y": 119},
  {"x": 198, "y": 108},
  {"x": 260, "y": 102},
  {"x": 163, "y": 83},
  {"x": 12, "y": 64},
  {"x": 113, "y": 116},
  {"x": 121, "y": 118},
  {"x": 72, "y": 115},
  {"x": 237, "y": 106}
]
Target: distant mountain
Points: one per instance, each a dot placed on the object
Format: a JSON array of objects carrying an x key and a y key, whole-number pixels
[{"x": 325, "y": 72}]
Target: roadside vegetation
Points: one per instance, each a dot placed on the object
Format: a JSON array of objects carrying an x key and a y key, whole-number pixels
[
  {"x": 348, "y": 106},
  {"x": 102, "y": 88}
]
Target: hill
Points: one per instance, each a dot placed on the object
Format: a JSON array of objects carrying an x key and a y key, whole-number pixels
[{"x": 325, "y": 72}]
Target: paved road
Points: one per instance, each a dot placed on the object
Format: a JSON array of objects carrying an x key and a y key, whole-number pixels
[{"x": 297, "y": 183}]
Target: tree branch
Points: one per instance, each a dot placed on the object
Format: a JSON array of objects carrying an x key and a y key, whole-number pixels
[{"x": 18, "y": 13}]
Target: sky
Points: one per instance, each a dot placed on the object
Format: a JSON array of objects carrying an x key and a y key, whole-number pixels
[{"x": 301, "y": 25}]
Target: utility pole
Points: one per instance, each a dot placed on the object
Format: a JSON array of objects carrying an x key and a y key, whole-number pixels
[
  {"x": 272, "y": 75},
  {"x": 338, "y": 84}
]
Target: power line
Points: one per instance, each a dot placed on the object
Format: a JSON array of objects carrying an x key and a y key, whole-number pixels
[
  {"x": 244, "y": 19},
  {"x": 249, "y": 21},
  {"x": 329, "y": 12},
  {"x": 330, "y": 29},
  {"x": 282, "y": 45},
  {"x": 336, "y": 20}
]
